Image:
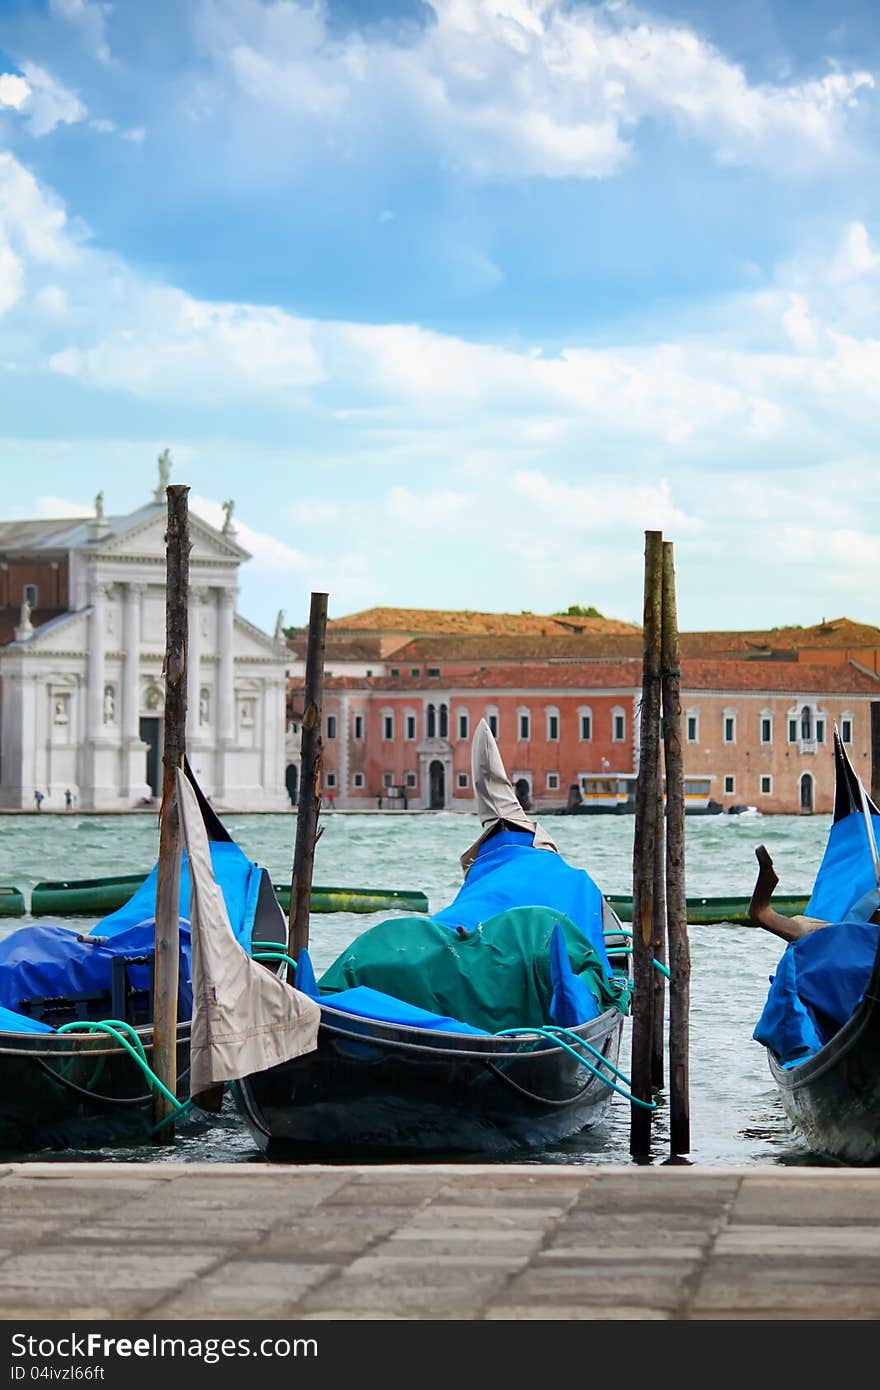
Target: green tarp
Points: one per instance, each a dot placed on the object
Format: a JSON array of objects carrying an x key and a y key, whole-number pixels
[{"x": 493, "y": 977}]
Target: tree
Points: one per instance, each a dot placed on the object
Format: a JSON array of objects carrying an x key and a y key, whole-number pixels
[{"x": 576, "y": 610}]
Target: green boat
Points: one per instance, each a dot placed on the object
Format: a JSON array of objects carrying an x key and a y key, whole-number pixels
[
  {"x": 96, "y": 897},
  {"x": 708, "y": 912},
  {"x": 11, "y": 902}
]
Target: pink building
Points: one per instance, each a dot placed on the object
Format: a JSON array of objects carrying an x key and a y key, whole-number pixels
[{"x": 753, "y": 732}]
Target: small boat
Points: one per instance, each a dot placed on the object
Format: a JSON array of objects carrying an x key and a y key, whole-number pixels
[
  {"x": 614, "y": 793},
  {"x": 76, "y": 1008},
  {"x": 490, "y": 1028},
  {"x": 821, "y": 1022},
  {"x": 94, "y": 897},
  {"x": 715, "y": 911}
]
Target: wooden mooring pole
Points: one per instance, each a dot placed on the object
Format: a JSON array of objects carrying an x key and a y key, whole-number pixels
[
  {"x": 644, "y": 850},
  {"x": 676, "y": 901},
  {"x": 309, "y": 801},
  {"x": 658, "y": 947},
  {"x": 166, "y": 963}
]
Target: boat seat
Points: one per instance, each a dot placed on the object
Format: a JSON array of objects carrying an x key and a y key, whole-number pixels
[{"x": 122, "y": 1000}]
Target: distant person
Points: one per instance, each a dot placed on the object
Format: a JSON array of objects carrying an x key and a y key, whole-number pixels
[
  {"x": 331, "y": 797},
  {"x": 68, "y": 800},
  {"x": 38, "y": 798}
]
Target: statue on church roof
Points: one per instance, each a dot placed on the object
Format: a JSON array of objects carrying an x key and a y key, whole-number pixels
[
  {"x": 228, "y": 509},
  {"x": 99, "y": 507},
  {"x": 164, "y": 462},
  {"x": 280, "y": 635}
]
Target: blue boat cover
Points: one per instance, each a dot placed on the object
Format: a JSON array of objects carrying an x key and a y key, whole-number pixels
[
  {"x": 846, "y": 873},
  {"x": 48, "y": 962},
  {"x": 504, "y": 954},
  {"x": 818, "y": 983},
  {"x": 509, "y": 872}
]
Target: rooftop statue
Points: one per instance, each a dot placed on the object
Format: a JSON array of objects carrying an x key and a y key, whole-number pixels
[
  {"x": 164, "y": 462},
  {"x": 99, "y": 507},
  {"x": 228, "y": 509}
]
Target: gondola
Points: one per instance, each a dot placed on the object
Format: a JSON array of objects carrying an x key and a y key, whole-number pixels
[
  {"x": 491, "y": 1028},
  {"x": 821, "y": 1022},
  {"x": 66, "y": 1078}
]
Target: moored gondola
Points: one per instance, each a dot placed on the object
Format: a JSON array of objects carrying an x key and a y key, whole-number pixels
[{"x": 821, "y": 1022}]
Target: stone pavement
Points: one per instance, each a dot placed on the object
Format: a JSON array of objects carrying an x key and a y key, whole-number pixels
[{"x": 178, "y": 1241}]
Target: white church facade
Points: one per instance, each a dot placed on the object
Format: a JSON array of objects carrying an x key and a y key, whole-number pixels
[{"x": 82, "y": 679}]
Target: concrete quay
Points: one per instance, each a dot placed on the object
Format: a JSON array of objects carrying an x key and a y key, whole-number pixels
[{"x": 169, "y": 1240}]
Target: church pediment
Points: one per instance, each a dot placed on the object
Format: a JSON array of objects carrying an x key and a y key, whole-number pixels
[
  {"x": 145, "y": 540},
  {"x": 252, "y": 641}
]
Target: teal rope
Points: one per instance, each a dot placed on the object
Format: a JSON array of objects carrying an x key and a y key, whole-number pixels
[
  {"x": 271, "y": 955},
  {"x": 628, "y": 950},
  {"x": 552, "y": 1032},
  {"x": 112, "y": 1029}
]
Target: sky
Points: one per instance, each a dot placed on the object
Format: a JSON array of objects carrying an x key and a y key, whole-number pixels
[{"x": 455, "y": 299}]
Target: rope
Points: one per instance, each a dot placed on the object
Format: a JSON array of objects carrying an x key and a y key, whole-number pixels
[
  {"x": 553, "y": 1032},
  {"x": 116, "y": 1029},
  {"x": 628, "y": 950}
]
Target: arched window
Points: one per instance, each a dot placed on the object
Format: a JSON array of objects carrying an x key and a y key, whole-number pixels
[
  {"x": 444, "y": 721},
  {"x": 806, "y": 723},
  {"x": 492, "y": 719},
  {"x": 431, "y": 721},
  {"x": 551, "y": 714},
  {"x": 585, "y": 723}
]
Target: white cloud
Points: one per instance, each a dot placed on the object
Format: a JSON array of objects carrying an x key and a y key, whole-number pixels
[
  {"x": 14, "y": 91},
  {"x": 57, "y": 508},
  {"x": 434, "y": 509},
  {"x": 11, "y": 277},
  {"x": 605, "y": 507},
  {"x": 855, "y": 257},
  {"x": 49, "y": 104},
  {"x": 516, "y": 88}
]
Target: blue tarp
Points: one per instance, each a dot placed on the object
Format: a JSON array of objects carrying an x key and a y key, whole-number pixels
[
  {"x": 38, "y": 962},
  {"x": 818, "y": 983},
  {"x": 500, "y": 956}
]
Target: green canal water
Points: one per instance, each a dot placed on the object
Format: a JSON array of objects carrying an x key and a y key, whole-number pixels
[{"x": 735, "y": 1114}]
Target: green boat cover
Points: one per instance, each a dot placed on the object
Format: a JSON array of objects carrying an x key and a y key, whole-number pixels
[{"x": 496, "y": 975}]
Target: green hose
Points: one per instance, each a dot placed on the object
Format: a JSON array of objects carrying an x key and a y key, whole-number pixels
[{"x": 114, "y": 1028}]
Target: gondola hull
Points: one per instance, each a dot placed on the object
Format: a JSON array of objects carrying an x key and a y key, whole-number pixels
[
  {"x": 65, "y": 1090},
  {"x": 378, "y": 1089},
  {"x": 833, "y": 1098}
]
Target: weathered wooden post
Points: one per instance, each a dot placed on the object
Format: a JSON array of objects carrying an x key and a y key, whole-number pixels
[
  {"x": 658, "y": 1040},
  {"x": 644, "y": 850},
  {"x": 875, "y": 752},
  {"x": 309, "y": 800},
  {"x": 166, "y": 963},
  {"x": 676, "y": 901}
]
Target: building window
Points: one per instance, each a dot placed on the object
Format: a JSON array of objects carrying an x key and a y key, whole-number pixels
[
  {"x": 29, "y": 595},
  {"x": 410, "y": 727},
  {"x": 387, "y": 724},
  {"x": 359, "y": 726},
  {"x": 552, "y": 781},
  {"x": 431, "y": 722},
  {"x": 462, "y": 780},
  {"x": 331, "y": 725},
  {"x": 444, "y": 721},
  {"x": 492, "y": 721},
  {"x": 806, "y": 724},
  {"x": 369, "y": 672},
  {"x": 414, "y": 670},
  {"x": 730, "y": 784},
  {"x": 766, "y": 728},
  {"x": 524, "y": 725},
  {"x": 618, "y": 726},
  {"x": 358, "y": 779},
  {"x": 387, "y": 779},
  {"x": 395, "y": 670},
  {"x": 693, "y": 727},
  {"x": 462, "y": 724},
  {"x": 331, "y": 780},
  {"x": 766, "y": 785},
  {"x": 552, "y": 725},
  {"x": 846, "y": 726},
  {"x": 410, "y": 779},
  {"x": 585, "y": 725},
  {"x": 730, "y": 728},
  {"x": 792, "y": 731},
  {"x": 820, "y": 730},
  {"x": 432, "y": 671}
]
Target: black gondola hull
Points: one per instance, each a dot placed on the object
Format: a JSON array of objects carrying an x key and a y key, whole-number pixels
[
  {"x": 377, "y": 1089},
  {"x": 833, "y": 1098}
]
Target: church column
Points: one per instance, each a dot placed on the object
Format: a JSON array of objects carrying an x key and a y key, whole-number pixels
[
  {"x": 225, "y": 685},
  {"x": 193, "y": 666},
  {"x": 131, "y": 640},
  {"x": 97, "y": 644}
]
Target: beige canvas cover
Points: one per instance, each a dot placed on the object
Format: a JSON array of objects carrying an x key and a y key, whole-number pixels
[
  {"x": 244, "y": 1018},
  {"x": 497, "y": 802}
]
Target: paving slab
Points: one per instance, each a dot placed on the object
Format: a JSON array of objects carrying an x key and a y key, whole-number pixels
[{"x": 494, "y": 1242}]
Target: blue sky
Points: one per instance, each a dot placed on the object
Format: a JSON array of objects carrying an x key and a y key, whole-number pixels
[{"x": 455, "y": 298}]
